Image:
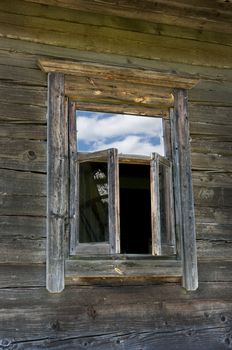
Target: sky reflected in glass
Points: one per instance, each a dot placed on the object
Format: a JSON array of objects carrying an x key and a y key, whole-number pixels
[{"x": 129, "y": 134}]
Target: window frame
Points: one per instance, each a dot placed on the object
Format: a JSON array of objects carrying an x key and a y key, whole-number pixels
[{"x": 61, "y": 212}]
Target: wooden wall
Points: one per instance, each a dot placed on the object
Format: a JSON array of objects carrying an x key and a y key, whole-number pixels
[{"x": 105, "y": 314}]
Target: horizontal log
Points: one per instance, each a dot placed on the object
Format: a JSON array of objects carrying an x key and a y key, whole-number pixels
[
  {"x": 23, "y": 131},
  {"x": 208, "y": 147},
  {"x": 214, "y": 249},
  {"x": 213, "y": 215},
  {"x": 22, "y": 251},
  {"x": 118, "y": 312},
  {"x": 22, "y": 75},
  {"x": 16, "y": 276},
  {"x": 215, "y": 93},
  {"x": 211, "y": 179},
  {"x": 132, "y": 339},
  {"x": 22, "y": 183},
  {"x": 22, "y": 205},
  {"x": 218, "y": 197},
  {"x": 18, "y": 112},
  {"x": 210, "y": 114},
  {"x": 214, "y": 231},
  {"x": 211, "y": 162},
  {"x": 217, "y": 132},
  {"x": 21, "y": 94},
  {"x": 23, "y": 227},
  {"x": 110, "y": 40},
  {"x": 119, "y": 268},
  {"x": 183, "y": 14},
  {"x": 28, "y": 155}
]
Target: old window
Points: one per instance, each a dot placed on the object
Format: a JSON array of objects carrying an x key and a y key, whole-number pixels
[
  {"x": 84, "y": 205},
  {"x": 124, "y": 195}
]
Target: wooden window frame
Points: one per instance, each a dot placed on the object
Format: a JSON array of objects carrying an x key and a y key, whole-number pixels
[{"x": 67, "y": 91}]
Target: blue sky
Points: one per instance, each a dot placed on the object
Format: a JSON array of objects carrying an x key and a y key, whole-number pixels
[{"x": 129, "y": 134}]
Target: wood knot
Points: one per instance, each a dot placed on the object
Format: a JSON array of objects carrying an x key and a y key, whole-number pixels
[
  {"x": 91, "y": 312},
  {"x": 5, "y": 343},
  {"x": 55, "y": 325},
  {"x": 31, "y": 155}
]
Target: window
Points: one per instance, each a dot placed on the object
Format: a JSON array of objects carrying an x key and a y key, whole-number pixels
[
  {"x": 140, "y": 209},
  {"x": 89, "y": 192}
]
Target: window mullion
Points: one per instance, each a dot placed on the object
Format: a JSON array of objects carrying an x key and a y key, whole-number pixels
[
  {"x": 114, "y": 219},
  {"x": 155, "y": 205}
]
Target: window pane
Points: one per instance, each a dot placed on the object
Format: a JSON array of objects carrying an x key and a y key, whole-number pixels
[
  {"x": 128, "y": 133},
  {"x": 93, "y": 226}
]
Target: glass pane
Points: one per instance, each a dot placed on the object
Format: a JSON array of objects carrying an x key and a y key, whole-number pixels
[
  {"x": 93, "y": 225},
  {"x": 130, "y": 134}
]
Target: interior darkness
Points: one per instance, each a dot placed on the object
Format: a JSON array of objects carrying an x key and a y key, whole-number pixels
[{"x": 135, "y": 208}]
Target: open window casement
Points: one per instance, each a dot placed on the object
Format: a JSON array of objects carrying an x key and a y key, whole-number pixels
[
  {"x": 96, "y": 229},
  {"x": 86, "y": 227}
]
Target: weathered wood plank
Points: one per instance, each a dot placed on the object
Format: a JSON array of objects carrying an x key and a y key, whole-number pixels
[
  {"x": 220, "y": 148},
  {"x": 91, "y": 88},
  {"x": 74, "y": 179},
  {"x": 213, "y": 231},
  {"x": 211, "y": 179},
  {"x": 22, "y": 183},
  {"x": 57, "y": 177},
  {"x": 123, "y": 42},
  {"x": 218, "y": 197},
  {"x": 23, "y": 227},
  {"x": 114, "y": 204},
  {"x": 211, "y": 131},
  {"x": 28, "y": 155},
  {"x": 209, "y": 114},
  {"x": 184, "y": 14},
  {"x": 21, "y": 94},
  {"x": 211, "y": 162},
  {"x": 119, "y": 268},
  {"x": 136, "y": 76},
  {"x": 15, "y": 276},
  {"x": 213, "y": 215},
  {"x": 175, "y": 312},
  {"x": 22, "y": 75},
  {"x": 155, "y": 205},
  {"x": 23, "y": 131},
  {"x": 17, "y": 113},
  {"x": 120, "y": 107},
  {"x": 22, "y": 205},
  {"x": 181, "y": 132},
  {"x": 214, "y": 249},
  {"x": 17, "y": 250}
]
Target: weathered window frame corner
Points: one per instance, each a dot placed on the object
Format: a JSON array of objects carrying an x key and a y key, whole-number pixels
[{"x": 71, "y": 85}]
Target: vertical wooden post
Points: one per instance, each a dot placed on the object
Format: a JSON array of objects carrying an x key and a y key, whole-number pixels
[
  {"x": 155, "y": 205},
  {"x": 57, "y": 179},
  {"x": 183, "y": 180},
  {"x": 114, "y": 219},
  {"x": 74, "y": 179}
]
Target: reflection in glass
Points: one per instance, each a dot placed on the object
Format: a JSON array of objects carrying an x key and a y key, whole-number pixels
[
  {"x": 128, "y": 133},
  {"x": 93, "y": 203}
]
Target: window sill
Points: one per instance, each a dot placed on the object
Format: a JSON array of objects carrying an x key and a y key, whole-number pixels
[{"x": 122, "y": 267}]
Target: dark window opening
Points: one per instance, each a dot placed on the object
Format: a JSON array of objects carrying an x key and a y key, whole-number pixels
[{"x": 135, "y": 208}]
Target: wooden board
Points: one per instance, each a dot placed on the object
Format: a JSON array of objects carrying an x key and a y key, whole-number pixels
[{"x": 27, "y": 155}]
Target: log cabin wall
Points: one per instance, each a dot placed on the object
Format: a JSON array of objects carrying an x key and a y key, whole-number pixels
[{"x": 185, "y": 37}]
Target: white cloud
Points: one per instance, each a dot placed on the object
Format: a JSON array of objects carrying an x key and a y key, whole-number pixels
[{"x": 130, "y": 134}]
